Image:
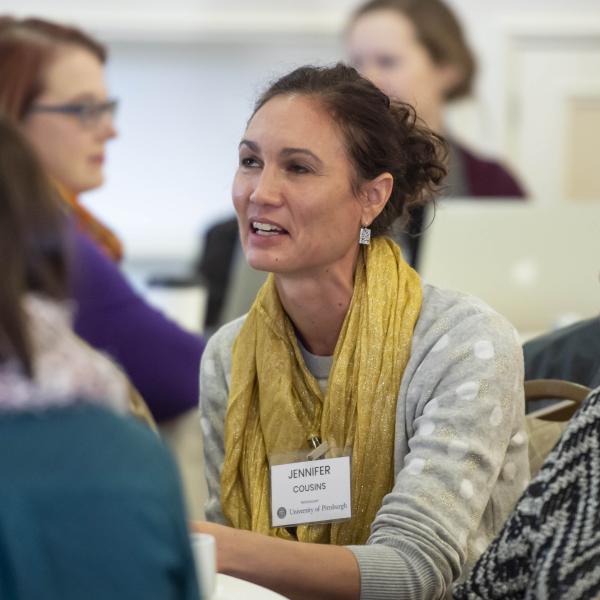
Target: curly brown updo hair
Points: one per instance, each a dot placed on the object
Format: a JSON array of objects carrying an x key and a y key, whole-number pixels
[{"x": 381, "y": 135}]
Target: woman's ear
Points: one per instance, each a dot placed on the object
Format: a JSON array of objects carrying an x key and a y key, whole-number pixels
[{"x": 374, "y": 197}]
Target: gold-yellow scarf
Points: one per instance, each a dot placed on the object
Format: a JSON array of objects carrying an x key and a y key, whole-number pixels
[{"x": 275, "y": 403}]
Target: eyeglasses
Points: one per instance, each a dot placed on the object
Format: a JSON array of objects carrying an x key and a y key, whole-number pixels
[{"x": 89, "y": 114}]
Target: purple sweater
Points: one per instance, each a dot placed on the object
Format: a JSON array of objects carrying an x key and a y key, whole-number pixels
[{"x": 161, "y": 359}]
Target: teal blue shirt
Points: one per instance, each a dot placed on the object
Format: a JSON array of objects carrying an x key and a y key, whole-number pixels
[{"x": 90, "y": 508}]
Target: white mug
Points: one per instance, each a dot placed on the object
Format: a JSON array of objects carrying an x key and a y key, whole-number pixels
[{"x": 204, "y": 548}]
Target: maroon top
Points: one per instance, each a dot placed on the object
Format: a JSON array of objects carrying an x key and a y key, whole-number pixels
[{"x": 487, "y": 177}]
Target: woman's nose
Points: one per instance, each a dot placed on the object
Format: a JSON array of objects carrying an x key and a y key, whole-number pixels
[
  {"x": 267, "y": 189},
  {"x": 106, "y": 128},
  {"x": 111, "y": 131}
]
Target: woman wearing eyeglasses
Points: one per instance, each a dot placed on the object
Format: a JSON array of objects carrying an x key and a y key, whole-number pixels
[
  {"x": 62, "y": 102},
  {"x": 52, "y": 85}
]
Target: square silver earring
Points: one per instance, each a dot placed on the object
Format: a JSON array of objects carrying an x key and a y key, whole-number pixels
[{"x": 365, "y": 236}]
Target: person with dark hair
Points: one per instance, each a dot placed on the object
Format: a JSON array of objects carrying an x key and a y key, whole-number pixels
[
  {"x": 409, "y": 396},
  {"x": 415, "y": 51},
  {"x": 52, "y": 86},
  {"x": 90, "y": 505}
]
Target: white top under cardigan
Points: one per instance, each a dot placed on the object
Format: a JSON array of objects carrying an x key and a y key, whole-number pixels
[{"x": 460, "y": 451}]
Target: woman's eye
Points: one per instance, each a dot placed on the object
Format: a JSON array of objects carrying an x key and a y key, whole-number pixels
[
  {"x": 248, "y": 162},
  {"x": 388, "y": 62},
  {"x": 298, "y": 169}
]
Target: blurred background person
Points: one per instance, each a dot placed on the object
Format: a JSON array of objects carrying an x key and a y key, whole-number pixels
[
  {"x": 90, "y": 504},
  {"x": 52, "y": 84},
  {"x": 416, "y": 51},
  {"x": 74, "y": 158}
]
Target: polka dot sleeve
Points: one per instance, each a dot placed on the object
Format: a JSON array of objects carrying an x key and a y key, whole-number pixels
[
  {"x": 460, "y": 456},
  {"x": 215, "y": 370}
]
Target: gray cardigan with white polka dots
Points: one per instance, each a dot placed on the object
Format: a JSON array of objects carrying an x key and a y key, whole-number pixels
[{"x": 460, "y": 450}]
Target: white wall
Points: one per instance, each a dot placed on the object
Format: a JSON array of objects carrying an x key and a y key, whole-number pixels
[
  {"x": 187, "y": 72},
  {"x": 184, "y": 109}
]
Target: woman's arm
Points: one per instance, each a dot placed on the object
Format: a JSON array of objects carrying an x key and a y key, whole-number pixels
[
  {"x": 460, "y": 468},
  {"x": 161, "y": 359},
  {"x": 214, "y": 392},
  {"x": 295, "y": 569}
]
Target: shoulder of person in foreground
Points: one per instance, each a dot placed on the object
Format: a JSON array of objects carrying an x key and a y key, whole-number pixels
[
  {"x": 460, "y": 453},
  {"x": 215, "y": 373},
  {"x": 112, "y": 516},
  {"x": 161, "y": 358}
]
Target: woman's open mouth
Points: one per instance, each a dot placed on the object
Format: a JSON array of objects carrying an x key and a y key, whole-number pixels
[{"x": 266, "y": 229}]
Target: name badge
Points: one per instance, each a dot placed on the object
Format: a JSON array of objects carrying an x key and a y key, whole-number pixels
[{"x": 310, "y": 492}]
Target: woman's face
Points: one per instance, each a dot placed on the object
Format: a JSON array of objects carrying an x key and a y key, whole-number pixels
[
  {"x": 292, "y": 190},
  {"x": 383, "y": 46},
  {"x": 71, "y": 151}
]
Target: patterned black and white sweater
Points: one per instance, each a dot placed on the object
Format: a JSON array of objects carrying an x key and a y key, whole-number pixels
[{"x": 550, "y": 546}]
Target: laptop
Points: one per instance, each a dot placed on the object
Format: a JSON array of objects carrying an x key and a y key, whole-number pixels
[{"x": 536, "y": 264}]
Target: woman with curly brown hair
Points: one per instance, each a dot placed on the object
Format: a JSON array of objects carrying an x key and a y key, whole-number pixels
[{"x": 364, "y": 428}]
